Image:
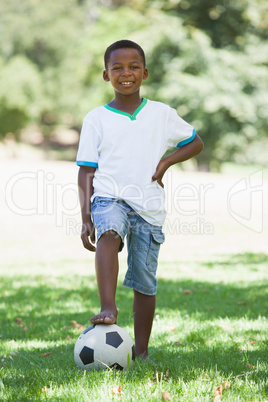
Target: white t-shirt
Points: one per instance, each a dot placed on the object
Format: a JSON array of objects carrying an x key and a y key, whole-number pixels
[{"x": 126, "y": 149}]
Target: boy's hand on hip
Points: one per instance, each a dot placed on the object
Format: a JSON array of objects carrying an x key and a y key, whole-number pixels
[
  {"x": 88, "y": 232},
  {"x": 159, "y": 173}
]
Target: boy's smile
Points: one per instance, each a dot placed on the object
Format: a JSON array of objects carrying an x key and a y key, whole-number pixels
[{"x": 125, "y": 71}]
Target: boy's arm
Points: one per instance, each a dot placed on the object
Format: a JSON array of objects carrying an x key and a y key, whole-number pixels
[
  {"x": 85, "y": 185},
  {"x": 181, "y": 155}
]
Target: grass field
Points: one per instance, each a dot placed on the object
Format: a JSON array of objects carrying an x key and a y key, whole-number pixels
[
  {"x": 209, "y": 340},
  {"x": 208, "y": 330}
]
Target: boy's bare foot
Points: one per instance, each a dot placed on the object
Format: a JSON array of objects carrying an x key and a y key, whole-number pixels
[
  {"x": 143, "y": 356},
  {"x": 105, "y": 317}
]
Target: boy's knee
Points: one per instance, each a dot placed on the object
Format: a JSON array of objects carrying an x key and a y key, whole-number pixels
[
  {"x": 110, "y": 236},
  {"x": 143, "y": 296}
]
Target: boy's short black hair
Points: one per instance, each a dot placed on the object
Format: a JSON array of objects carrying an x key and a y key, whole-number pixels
[{"x": 120, "y": 44}]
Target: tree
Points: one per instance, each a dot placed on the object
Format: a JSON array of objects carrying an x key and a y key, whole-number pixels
[
  {"x": 206, "y": 59},
  {"x": 20, "y": 86},
  {"x": 36, "y": 40},
  {"x": 216, "y": 81}
]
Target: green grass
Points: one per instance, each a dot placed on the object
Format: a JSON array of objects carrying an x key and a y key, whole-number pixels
[{"x": 215, "y": 332}]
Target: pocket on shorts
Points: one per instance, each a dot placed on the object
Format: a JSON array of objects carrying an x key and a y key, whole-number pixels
[{"x": 157, "y": 238}]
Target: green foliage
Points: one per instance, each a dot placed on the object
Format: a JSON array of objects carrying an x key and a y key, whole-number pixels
[
  {"x": 20, "y": 94},
  {"x": 206, "y": 59}
]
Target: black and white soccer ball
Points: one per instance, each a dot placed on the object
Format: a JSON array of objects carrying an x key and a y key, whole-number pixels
[{"x": 102, "y": 346}]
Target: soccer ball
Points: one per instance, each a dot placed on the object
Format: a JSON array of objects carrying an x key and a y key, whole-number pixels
[{"x": 104, "y": 346}]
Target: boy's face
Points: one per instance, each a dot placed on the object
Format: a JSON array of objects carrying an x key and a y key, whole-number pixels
[{"x": 125, "y": 71}]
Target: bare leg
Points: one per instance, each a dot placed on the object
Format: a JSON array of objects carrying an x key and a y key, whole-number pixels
[
  {"x": 107, "y": 273},
  {"x": 143, "y": 309}
]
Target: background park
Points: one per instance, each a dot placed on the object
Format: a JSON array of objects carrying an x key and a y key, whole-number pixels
[{"x": 208, "y": 59}]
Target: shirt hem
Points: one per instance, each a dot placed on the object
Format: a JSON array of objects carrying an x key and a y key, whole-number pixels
[
  {"x": 187, "y": 141},
  {"x": 85, "y": 163}
]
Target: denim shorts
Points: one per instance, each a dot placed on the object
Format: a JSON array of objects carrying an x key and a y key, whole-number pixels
[{"x": 143, "y": 241}]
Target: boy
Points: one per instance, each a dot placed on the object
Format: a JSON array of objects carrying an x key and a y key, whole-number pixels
[{"x": 120, "y": 184}]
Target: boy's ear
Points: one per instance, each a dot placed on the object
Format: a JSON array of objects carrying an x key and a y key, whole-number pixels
[
  {"x": 106, "y": 76},
  {"x": 145, "y": 74}
]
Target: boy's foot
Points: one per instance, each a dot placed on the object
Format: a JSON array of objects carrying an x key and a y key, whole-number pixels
[
  {"x": 105, "y": 317},
  {"x": 146, "y": 359},
  {"x": 143, "y": 356},
  {"x": 150, "y": 362}
]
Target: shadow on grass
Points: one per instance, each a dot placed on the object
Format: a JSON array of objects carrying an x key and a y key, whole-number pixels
[
  {"x": 247, "y": 259},
  {"x": 36, "y": 370},
  {"x": 47, "y": 311},
  {"x": 203, "y": 361},
  {"x": 209, "y": 301},
  {"x": 42, "y": 309}
]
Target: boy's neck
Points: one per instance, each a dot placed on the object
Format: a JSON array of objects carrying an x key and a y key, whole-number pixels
[{"x": 126, "y": 104}]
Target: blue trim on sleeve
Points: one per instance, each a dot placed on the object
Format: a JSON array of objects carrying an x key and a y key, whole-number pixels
[
  {"x": 184, "y": 142},
  {"x": 84, "y": 163}
]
